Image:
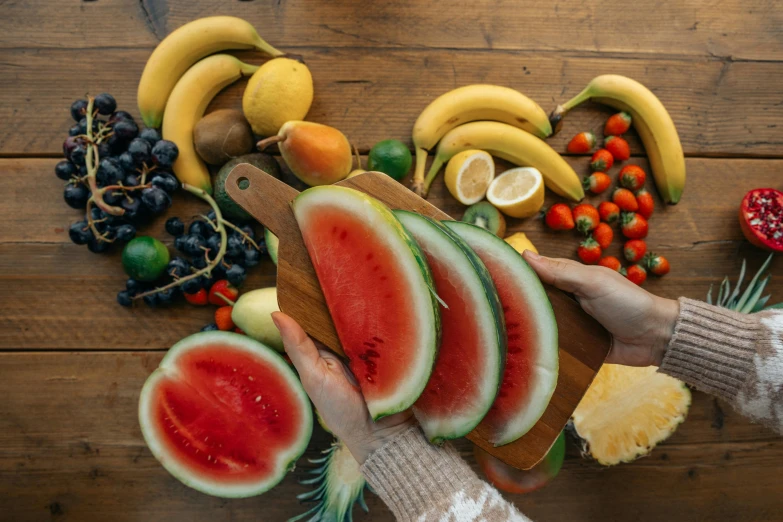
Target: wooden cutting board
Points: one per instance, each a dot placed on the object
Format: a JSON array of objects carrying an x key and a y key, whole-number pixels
[{"x": 584, "y": 343}]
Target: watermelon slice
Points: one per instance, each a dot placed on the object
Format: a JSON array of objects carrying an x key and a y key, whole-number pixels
[
  {"x": 467, "y": 371},
  {"x": 225, "y": 414},
  {"x": 379, "y": 292},
  {"x": 530, "y": 375},
  {"x": 512, "y": 480}
]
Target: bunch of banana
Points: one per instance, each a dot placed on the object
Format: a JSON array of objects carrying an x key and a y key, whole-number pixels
[
  {"x": 472, "y": 103},
  {"x": 511, "y": 144},
  {"x": 184, "y": 47},
  {"x": 651, "y": 121},
  {"x": 186, "y": 106}
]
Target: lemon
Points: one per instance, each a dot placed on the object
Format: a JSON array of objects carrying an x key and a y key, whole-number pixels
[
  {"x": 145, "y": 258},
  {"x": 281, "y": 90},
  {"x": 469, "y": 174},
  {"x": 520, "y": 242},
  {"x": 518, "y": 192}
]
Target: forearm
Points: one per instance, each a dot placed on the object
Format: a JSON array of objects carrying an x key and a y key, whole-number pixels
[
  {"x": 737, "y": 357},
  {"x": 422, "y": 482}
]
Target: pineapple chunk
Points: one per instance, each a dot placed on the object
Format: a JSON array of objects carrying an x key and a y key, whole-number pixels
[{"x": 627, "y": 411}]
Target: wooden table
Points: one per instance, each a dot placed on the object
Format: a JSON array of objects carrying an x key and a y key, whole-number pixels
[{"x": 73, "y": 361}]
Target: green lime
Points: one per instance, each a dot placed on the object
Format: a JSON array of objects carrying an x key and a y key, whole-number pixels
[
  {"x": 145, "y": 258},
  {"x": 391, "y": 157}
]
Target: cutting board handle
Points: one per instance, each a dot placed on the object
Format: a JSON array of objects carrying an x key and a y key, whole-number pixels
[{"x": 275, "y": 213}]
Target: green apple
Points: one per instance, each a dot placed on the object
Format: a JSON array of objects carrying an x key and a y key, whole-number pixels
[{"x": 253, "y": 314}]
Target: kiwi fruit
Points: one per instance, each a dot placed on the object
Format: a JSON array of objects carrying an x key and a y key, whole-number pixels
[
  {"x": 227, "y": 205},
  {"x": 484, "y": 215},
  {"x": 222, "y": 135}
]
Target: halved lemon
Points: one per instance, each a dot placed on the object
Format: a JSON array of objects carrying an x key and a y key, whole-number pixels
[
  {"x": 518, "y": 192},
  {"x": 468, "y": 176}
]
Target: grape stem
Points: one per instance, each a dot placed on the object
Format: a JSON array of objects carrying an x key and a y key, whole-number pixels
[{"x": 220, "y": 228}]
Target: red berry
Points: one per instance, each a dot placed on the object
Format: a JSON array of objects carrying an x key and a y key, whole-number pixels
[
  {"x": 582, "y": 143},
  {"x": 602, "y": 160},
  {"x": 603, "y": 234},
  {"x": 200, "y": 298},
  {"x": 589, "y": 251},
  {"x": 636, "y": 274},
  {"x": 610, "y": 262},
  {"x": 632, "y": 177},
  {"x": 618, "y": 147},
  {"x": 609, "y": 212},
  {"x": 633, "y": 225},
  {"x": 634, "y": 250},
  {"x": 646, "y": 203},
  {"x": 559, "y": 217},
  {"x": 586, "y": 217},
  {"x": 656, "y": 264},
  {"x": 617, "y": 124},
  {"x": 625, "y": 199},
  {"x": 223, "y": 318},
  {"x": 223, "y": 293},
  {"x": 597, "y": 182}
]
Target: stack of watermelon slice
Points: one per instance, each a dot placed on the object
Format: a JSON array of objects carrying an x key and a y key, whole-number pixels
[{"x": 444, "y": 318}]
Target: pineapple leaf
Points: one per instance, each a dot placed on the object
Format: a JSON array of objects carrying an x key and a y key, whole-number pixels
[
  {"x": 760, "y": 305},
  {"x": 722, "y": 290},
  {"x": 709, "y": 296},
  {"x": 777, "y": 306},
  {"x": 738, "y": 287},
  {"x": 751, "y": 290},
  {"x": 751, "y": 303}
]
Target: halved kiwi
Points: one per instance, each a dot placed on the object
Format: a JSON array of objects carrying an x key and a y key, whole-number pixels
[{"x": 484, "y": 215}]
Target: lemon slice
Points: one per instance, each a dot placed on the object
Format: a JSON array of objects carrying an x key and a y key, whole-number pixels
[
  {"x": 518, "y": 192},
  {"x": 468, "y": 176}
]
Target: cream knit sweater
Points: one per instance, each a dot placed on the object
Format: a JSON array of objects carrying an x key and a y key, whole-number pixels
[{"x": 734, "y": 356}]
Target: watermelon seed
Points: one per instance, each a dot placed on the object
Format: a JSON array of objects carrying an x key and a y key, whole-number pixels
[
  {"x": 343, "y": 234},
  {"x": 250, "y": 377},
  {"x": 369, "y": 379},
  {"x": 377, "y": 340},
  {"x": 372, "y": 353},
  {"x": 258, "y": 398}
]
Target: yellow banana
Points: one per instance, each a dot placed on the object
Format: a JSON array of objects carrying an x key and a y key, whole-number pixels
[
  {"x": 186, "y": 106},
  {"x": 473, "y": 103},
  {"x": 184, "y": 47},
  {"x": 652, "y": 122},
  {"x": 511, "y": 144}
]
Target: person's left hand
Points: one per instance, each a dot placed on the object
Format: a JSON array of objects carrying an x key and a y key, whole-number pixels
[{"x": 335, "y": 394}]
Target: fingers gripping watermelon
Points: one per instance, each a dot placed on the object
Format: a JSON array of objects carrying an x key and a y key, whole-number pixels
[
  {"x": 530, "y": 374},
  {"x": 378, "y": 288},
  {"x": 225, "y": 414},
  {"x": 470, "y": 360}
]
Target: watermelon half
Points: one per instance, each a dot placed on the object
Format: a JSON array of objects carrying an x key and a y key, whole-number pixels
[
  {"x": 469, "y": 366},
  {"x": 530, "y": 375},
  {"x": 378, "y": 288},
  {"x": 225, "y": 414}
]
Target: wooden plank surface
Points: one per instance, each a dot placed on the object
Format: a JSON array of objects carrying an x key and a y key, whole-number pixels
[
  {"x": 70, "y": 447},
  {"x": 749, "y": 30},
  {"x": 90, "y": 462},
  {"x": 719, "y": 108}
]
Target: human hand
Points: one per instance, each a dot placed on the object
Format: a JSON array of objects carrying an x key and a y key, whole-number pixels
[
  {"x": 335, "y": 393},
  {"x": 641, "y": 323}
]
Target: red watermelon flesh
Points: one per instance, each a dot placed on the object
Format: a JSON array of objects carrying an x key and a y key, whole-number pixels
[
  {"x": 467, "y": 372},
  {"x": 530, "y": 374},
  {"x": 224, "y": 415},
  {"x": 512, "y": 480},
  {"x": 377, "y": 287}
]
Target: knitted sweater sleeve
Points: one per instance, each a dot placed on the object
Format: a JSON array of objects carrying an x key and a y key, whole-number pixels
[
  {"x": 425, "y": 483},
  {"x": 737, "y": 357}
]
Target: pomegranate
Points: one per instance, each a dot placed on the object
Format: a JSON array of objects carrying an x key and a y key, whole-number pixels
[{"x": 761, "y": 218}]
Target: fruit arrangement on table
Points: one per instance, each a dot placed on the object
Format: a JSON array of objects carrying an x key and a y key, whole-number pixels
[{"x": 413, "y": 300}]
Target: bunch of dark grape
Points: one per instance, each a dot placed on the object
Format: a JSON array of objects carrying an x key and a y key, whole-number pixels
[
  {"x": 200, "y": 248},
  {"x": 119, "y": 174}
]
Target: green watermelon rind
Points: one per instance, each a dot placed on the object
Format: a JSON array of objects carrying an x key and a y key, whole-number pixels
[
  {"x": 547, "y": 367},
  {"x": 487, "y": 305},
  {"x": 272, "y": 244},
  {"x": 427, "y": 312},
  {"x": 167, "y": 368}
]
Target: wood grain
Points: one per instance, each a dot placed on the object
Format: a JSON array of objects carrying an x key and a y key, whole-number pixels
[
  {"x": 719, "y": 108},
  {"x": 71, "y": 450},
  {"x": 749, "y": 30}
]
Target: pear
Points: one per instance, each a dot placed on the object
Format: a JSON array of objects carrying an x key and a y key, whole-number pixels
[
  {"x": 253, "y": 314},
  {"x": 316, "y": 154}
]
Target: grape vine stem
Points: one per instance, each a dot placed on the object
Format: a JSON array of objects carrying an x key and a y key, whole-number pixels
[{"x": 220, "y": 228}]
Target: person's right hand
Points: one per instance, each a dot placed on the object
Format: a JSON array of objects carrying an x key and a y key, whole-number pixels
[{"x": 641, "y": 323}]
